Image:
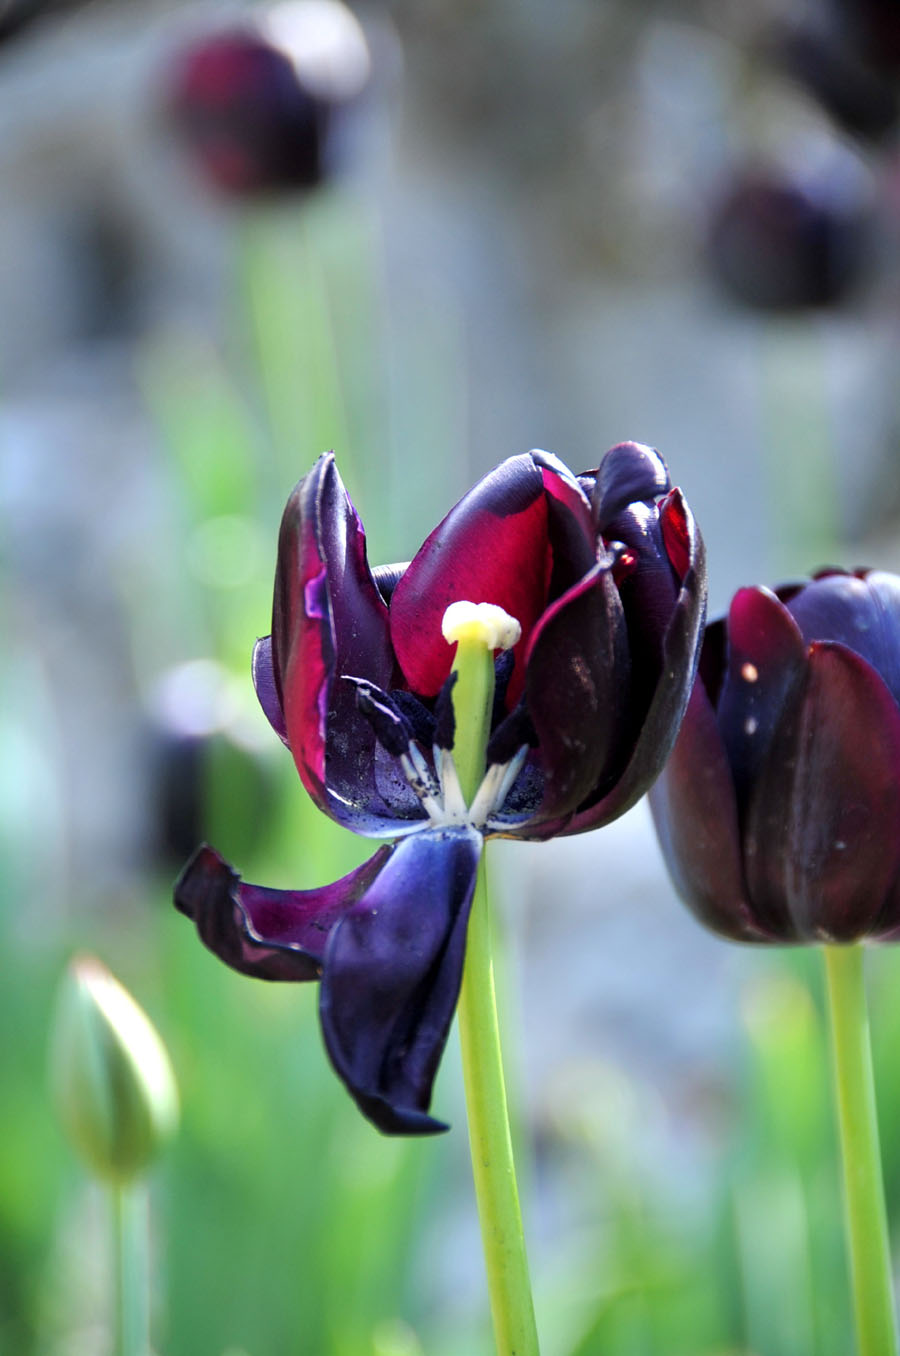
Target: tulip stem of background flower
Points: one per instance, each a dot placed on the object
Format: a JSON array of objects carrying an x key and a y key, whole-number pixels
[
  {"x": 131, "y": 1290},
  {"x": 493, "y": 1168},
  {"x": 867, "y": 1231}
]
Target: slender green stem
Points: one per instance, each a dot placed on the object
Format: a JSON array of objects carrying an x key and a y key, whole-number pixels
[
  {"x": 867, "y": 1232},
  {"x": 493, "y": 1168},
  {"x": 132, "y": 1316}
]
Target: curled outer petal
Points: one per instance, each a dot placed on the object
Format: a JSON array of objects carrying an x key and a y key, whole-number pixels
[
  {"x": 329, "y": 619},
  {"x": 263, "y": 672},
  {"x": 269, "y": 934},
  {"x": 392, "y": 973},
  {"x": 576, "y": 691},
  {"x": 657, "y": 725},
  {"x": 629, "y": 473}
]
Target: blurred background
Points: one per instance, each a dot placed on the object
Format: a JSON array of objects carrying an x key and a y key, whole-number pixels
[{"x": 429, "y": 234}]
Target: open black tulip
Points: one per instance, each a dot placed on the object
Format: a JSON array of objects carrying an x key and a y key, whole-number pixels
[
  {"x": 779, "y": 810},
  {"x": 604, "y": 575}
]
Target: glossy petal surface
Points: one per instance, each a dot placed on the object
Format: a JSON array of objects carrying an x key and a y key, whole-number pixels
[
  {"x": 765, "y": 666},
  {"x": 695, "y": 812},
  {"x": 393, "y": 969},
  {"x": 329, "y": 620},
  {"x": 630, "y": 473},
  {"x": 493, "y": 547},
  {"x": 657, "y": 724},
  {"x": 269, "y": 934},
  {"x": 861, "y": 613},
  {"x": 821, "y": 839},
  {"x": 578, "y": 673}
]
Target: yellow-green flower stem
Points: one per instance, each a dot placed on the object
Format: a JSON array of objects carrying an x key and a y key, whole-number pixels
[
  {"x": 131, "y": 1298},
  {"x": 512, "y": 1308},
  {"x": 866, "y": 1217}
]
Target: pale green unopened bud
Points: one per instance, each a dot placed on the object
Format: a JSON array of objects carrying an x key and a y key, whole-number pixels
[{"x": 112, "y": 1079}]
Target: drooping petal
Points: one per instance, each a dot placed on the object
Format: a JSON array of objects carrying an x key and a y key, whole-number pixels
[
  {"x": 861, "y": 613},
  {"x": 269, "y": 934},
  {"x": 393, "y": 967},
  {"x": 658, "y": 723},
  {"x": 266, "y": 688},
  {"x": 329, "y": 620},
  {"x": 695, "y": 813},
  {"x": 821, "y": 835},
  {"x": 493, "y": 547},
  {"x": 766, "y": 661}
]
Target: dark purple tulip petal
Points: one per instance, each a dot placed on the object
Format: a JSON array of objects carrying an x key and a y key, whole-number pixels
[
  {"x": 492, "y": 547},
  {"x": 649, "y": 590},
  {"x": 630, "y": 473},
  {"x": 266, "y": 688},
  {"x": 821, "y": 837},
  {"x": 393, "y": 968},
  {"x": 861, "y": 613},
  {"x": 695, "y": 812},
  {"x": 329, "y": 620},
  {"x": 269, "y": 934},
  {"x": 766, "y": 665},
  {"x": 570, "y": 524},
  {"x": 677, "y": 665},
  {"x": 577, "y": 688}
]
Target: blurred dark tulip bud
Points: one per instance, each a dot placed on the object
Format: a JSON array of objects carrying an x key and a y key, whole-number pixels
[
  {"x": 205, "y": 771},
  {"x": 111, "y": 1077},
  {"x": 782, "y": 243},
  {"x": 779, "y": 809},
  {"x": 861, "y": 99},
  {"x": 259, "y": 105}
]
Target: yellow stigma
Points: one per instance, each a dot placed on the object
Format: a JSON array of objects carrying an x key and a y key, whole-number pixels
[{"x": 482, "y": 622}]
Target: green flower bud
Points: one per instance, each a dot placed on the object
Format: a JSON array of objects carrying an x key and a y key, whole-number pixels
[{"x": 111, "y": 1076}]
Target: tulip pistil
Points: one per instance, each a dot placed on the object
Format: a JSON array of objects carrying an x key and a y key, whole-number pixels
[{"x": 477, "y": 630}]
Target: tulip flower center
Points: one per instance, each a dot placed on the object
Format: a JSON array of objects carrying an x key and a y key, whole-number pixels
[{"x": 477, "y": 630}]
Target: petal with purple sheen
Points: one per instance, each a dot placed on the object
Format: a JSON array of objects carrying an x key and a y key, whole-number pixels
[
  {"x": 329, "y": 620},
  {"x": 695, "y": 813},
  {"x": 821, "y": 834},
  {"x": 861, "y": 613},
  {"x": 649, "y": 592},
  {"x": 269, "y": 934},
  {"x": 577, "y": 690},
  {"x": 492, "y": 547},
  {"x": 766, "y": 661},
  {"x": 570, "y": 527},
  {"x": 393, "y": 968},
  {"x": 266, "y": 688},
  {"x": 658, "y": 724},
  {"x": 630, "y": 473}
]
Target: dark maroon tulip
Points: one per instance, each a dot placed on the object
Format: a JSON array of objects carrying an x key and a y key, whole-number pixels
[
  {"x": 780, "y": 242},
  {"x": 256, "y": 104},
  {"x": 779, "y": 810},
  {"x": 605, "y": 574}
]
